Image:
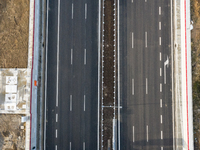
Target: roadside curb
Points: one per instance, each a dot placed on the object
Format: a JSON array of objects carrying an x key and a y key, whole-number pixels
[
  {"x": 182, "y": 77},
  {"x": 189, "y": 76},
  {"x": 30, "y": 64}
]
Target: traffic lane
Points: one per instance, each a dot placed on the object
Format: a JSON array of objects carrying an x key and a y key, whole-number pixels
[
  {"x": 144, "y": 131},
  {"x": 167, "y": 110},
  {"x": 51, "y": 73},
  {"x": 77, "y": 113},
  {"x": 91, "y": 75},
  {"x": 136, "y": 123},
  {"x": 136, "y": 72},
  {"x": 124, "y": 80},
  {"x": 138, "y": 95},
  {"x": 82, "y": 117},
  {"x": 77, "y": 124},
  {"x": 123, "y": 70},
  {"x": 167, "y": 93},
  {"x": 144, "y": 137},
  {"x": 153, "y": 105},
  {"x": 167, "y": 120},
  {"x": 65, "y": 74},
  {"x": 135, "y": 104},
  {"x": 157, "y": 84},
  {"x": 61, "y": 85},
  {"x": 152, "y": 67},
  {"x": 166, "y": 30}
]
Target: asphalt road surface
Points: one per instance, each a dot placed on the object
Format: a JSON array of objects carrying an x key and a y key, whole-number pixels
[
  {"x": 145, "y": 46},
  {"x": 72, "y": 75}
]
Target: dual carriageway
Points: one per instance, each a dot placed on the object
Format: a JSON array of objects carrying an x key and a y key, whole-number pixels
[{"x": 73, "y": 49}]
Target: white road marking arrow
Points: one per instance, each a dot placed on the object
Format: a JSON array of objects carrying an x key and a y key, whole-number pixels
[{"x": 166, "y": 63}]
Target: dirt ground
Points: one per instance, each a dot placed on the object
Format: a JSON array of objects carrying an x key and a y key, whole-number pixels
[
  {"x": 108, "y": 53},
  {"x": 12, "y": 133},
  {"x": 14, "y": 25},
  {"x": 108, "y": 89}
]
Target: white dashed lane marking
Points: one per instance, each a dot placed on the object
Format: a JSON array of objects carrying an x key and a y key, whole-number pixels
[
  {"x": 159, "y": 40},
  {"x": 159, "y": 10},
  {"x": 132, "y": 35},
  {"x": 72, "y": 10},
  {"x": 85, "y": 10},
  {"x": 159, "y": 25},
  {"x": 132, "y": 86},
  {"x": 160, "y": 71},
  {"x": 145, "y": 39},
  {"x": 160, "y": 103},
  {"x": 70, "y": 102},
  {"x": 160, "y": 87},
  {"x": 147, "y": 133},
  {"x": 146, "y": 86}
]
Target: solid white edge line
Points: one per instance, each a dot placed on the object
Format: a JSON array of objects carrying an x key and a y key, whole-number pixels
[
  {"x": 118, "y": 75},
  {"x": 71, "y": 56},
  {"x": 56, "y": 117},
  {"x": 161, "y": 119},
  {"x": 146, "y": 86},
  {"x": 85, "y": 10},
  {"x": 147, "y": 133},
  {"x": 145, "y": 39},
  {"x": 45, "y": 117},
  {"x": 58, "y": 53},
  {"x": 132, "y": 39},
  {"x": 85, "y": 56},
  {"x": 132, "y": 86},
  {"x": 99, "y": 38},
  {"x": 160, "y": 103},
  {"x": 72, "y": 11},
  {"x": 84, "y": 103},
  {"x": 133, "y": 135}
]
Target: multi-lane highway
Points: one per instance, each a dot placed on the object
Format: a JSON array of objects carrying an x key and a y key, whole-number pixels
[
  {"x": 71, "y": 75},
  {"x": 146, "y": 83}
]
